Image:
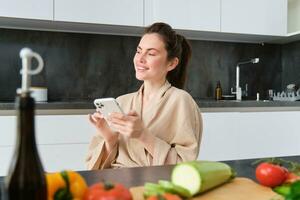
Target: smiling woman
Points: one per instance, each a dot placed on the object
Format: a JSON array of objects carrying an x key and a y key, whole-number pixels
[
  {"x": 162, "y": 124},
  {"x": 150, "y": 59}
]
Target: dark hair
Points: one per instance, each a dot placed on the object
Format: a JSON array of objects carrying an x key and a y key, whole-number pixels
[{"x": 176, "y": 46}]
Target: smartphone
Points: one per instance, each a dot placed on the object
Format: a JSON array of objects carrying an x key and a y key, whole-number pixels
[{"x": 106, "y": 106}]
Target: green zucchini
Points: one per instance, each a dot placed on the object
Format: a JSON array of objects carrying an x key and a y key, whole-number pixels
[
  {"x": 200, "y": 176},
  {"x": 152, "y": 189},
  {"x": 174, "y": 189},
  {"x": 164, "y": 186}
]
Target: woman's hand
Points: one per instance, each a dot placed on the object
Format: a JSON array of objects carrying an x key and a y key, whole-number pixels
[
  {"x": 103, "y": 128},
  {"x": 130, "y": 125}
]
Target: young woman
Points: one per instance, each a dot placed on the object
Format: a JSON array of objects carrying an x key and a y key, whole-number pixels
[{"x": 163, "y": 124}]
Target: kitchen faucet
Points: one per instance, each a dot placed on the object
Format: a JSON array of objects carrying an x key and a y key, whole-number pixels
[{"x": 238, "y": 90}]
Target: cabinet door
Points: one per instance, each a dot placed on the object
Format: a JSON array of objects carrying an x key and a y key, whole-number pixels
[
  {"x": 62, "y": 141},
  {"x": 29, "y": 9},
  {"x": 293, "y": 16},
  {"x": 261, "y": 17},
  {"x": 234, "y": 135},
  {"x": 113, "y": 12},
  {"x": 200, "y": 15}
]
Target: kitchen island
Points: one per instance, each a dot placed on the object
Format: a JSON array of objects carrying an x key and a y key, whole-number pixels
[{"x": 137, "y": 176}]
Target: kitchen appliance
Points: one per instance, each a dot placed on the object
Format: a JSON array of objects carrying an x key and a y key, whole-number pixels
[{"x": 40, "y": 94}]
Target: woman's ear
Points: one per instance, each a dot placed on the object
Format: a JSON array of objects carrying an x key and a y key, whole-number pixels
[{"x": 172, "y": 64}]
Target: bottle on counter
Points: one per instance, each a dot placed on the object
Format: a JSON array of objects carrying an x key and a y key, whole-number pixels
[
  {"x": 26, "y": 178},
  {"x": 218, "y": 91}
]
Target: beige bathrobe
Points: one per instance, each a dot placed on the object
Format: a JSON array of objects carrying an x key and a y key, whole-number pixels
[{"x": 172, "y": 117}]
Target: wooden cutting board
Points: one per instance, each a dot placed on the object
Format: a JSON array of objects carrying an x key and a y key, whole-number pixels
[{"x": 237, "y": 189}]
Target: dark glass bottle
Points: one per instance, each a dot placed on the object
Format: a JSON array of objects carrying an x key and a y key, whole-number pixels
[
  {"x": 26, "y": 179},
  {"x": 218, "y": 91}
]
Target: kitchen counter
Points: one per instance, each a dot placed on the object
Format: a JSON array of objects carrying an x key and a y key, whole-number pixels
[
  {"x": 139, "y": 175},
  {"x": 51, "y": 105},
  {"x": 206, "y": 105}
]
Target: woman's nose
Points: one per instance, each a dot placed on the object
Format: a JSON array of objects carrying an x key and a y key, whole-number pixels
[{"x": 141, "y": 58}]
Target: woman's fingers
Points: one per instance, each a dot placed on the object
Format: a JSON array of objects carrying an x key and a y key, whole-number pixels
[
  {"x": 117, "y": 115},
  {"x": 118, "y": 121},
  {"x": 129, "y": 125},
  {"x": 95, "y": 118},
  {"x": 132, "y": 113},
  {"x": 121, "y": 129},
  {"x": 92, "y": 120},
  {"x": 98, "y": 115}
]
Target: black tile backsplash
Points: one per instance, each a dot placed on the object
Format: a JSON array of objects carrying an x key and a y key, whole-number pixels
[
  {"x": 291, "y": 64},
  {"x": 77, "y": 66},
  {"x": 213, "y": 61},
  {"x": 81, "y": 67}
]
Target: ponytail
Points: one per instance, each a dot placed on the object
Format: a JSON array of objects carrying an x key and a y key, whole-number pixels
[
  {"x": 176, "y": 46},
  {"x": 177, "y": 76}
]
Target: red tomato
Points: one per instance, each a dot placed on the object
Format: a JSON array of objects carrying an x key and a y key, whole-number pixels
[
  {"x": 104, "y": 191},
  {"x": 166, "y": 196},
  {"x": 270, "y": 175}
]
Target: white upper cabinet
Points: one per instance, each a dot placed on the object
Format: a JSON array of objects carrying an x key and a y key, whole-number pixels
[
  {"x": 200, "y": 15},
  {"x": 261, "y": 17},
  {"x": 221, "y": 20},
  {"x": 293, "y": 16},
  {"x": 113, "y": 12},
  {"x": 29, "y": 9}
]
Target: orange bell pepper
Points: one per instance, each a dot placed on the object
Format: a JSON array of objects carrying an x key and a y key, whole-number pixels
[{"x": 66, "y": 185}]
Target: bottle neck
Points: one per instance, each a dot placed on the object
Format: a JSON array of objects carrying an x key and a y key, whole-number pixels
[{"x": 25, "y": 122}]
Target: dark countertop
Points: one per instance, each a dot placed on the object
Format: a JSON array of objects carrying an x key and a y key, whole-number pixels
[
  {"x": 51, "y": 105},
  {"x": 139, "y": 175},
  {"x": 203, "y": 103}
]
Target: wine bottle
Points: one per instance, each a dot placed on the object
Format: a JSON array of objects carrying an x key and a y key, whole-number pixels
[{"x": 26, "y": 178}]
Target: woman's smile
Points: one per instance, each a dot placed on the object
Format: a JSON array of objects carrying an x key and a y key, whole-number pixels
[{"x": 141, "y": 68}]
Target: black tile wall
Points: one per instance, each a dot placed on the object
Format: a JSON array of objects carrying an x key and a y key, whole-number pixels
[
  {"x": 291, "y": 64},
  {"x": 78, "y": 67},
  {"x": 213, "y": 61},
  {"x": 81, "y": 67}
]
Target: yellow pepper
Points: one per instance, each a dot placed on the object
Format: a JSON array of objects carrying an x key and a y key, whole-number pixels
[
  {"x": 66, "y": 185},
  {"x": 78, "y": 185}
]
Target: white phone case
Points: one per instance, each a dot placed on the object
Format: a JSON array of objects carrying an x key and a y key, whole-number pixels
[{"x": 106, "y": 106}]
